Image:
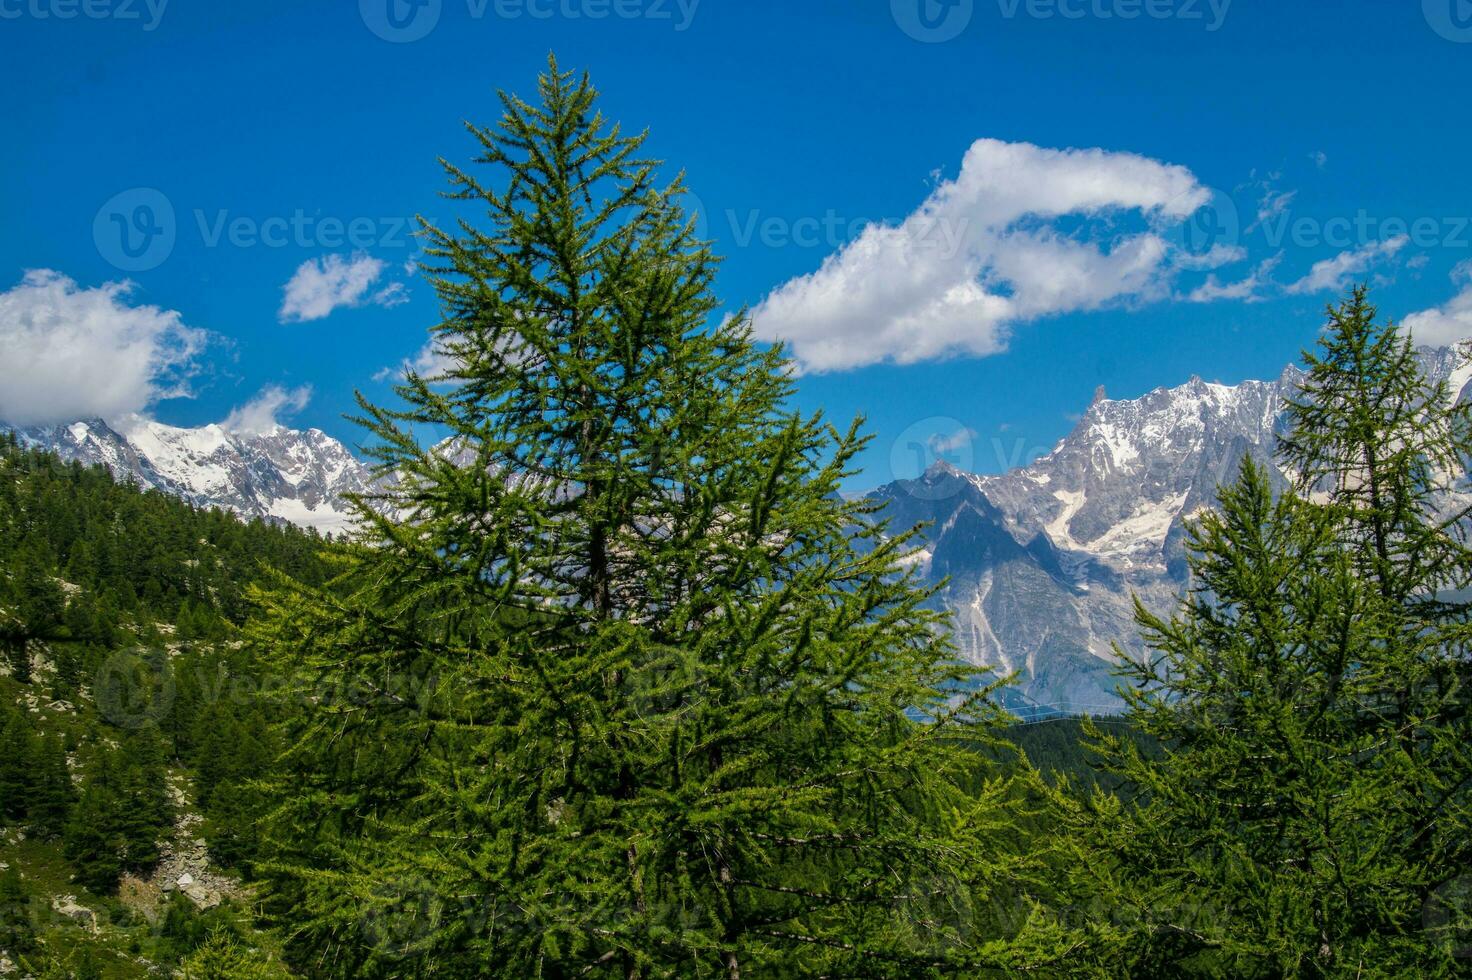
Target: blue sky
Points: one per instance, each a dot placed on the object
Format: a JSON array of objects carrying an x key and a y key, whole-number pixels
[{"x": 288, "y": 135}]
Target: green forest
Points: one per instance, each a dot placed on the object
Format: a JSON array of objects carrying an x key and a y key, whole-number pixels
[{"x": 613, "y": 682}]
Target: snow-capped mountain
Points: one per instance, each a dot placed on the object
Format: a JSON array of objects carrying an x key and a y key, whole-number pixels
[
  {"x": 1044, "y": 561},
  {"x": 277, "y": 474}
]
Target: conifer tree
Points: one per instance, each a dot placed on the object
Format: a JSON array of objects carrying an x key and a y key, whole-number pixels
[
  {"x": 17, "y": 748},
  {"x": 633, "y": 691},
  {"x": 224, "y": 957},
  {"x": 52, "y": 793},
  {"x": 1308, "y": 813},
  {"x": 94, "y": 844},
  {"x": 17, "y": 930}
]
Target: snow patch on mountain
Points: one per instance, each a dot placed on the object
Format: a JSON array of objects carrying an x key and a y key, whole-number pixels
[
  {"x": 1042, "y": 564},
  {"x": 279, "y": 474}
]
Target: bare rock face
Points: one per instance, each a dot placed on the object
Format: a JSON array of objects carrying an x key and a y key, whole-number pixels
[
  {"x": 184, "y": 860},
  {"x": 66, "y": 905},
  {"x": 1043, "y": 562}
]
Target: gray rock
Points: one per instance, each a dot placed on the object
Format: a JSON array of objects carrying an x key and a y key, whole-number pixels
[{"x": 1043, "y": 561}]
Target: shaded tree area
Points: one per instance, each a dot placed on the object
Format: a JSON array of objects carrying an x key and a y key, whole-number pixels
[{"x": 82, "y": 555}]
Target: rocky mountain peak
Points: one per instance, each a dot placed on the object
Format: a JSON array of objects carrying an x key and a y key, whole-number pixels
[
  {"x": 277, "y": 474},
  {"x": 1094, "y": 523}
]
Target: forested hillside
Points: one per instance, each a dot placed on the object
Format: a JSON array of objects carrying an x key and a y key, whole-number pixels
[
  {"x": 623, "y": 687},
  {"x": 128, "y": 723}
]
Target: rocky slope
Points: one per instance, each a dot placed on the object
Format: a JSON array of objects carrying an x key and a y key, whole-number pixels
[
  {"x": 279, "y": 474},
  {"x": 1043, "y": 562}
]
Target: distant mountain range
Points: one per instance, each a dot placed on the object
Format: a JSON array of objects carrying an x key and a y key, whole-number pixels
[
  {"x": 1042, "y": 562},
  {"x": 279, "y": 474}
]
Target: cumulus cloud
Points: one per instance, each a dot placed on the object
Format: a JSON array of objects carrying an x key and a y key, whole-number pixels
[
  {"x": 72, "y": 352},
  {"x": 1336, "y": 274},
  {"x": 263, "y": 412},
  {"x": 985, "y": 251},
  {"x": 1449, "y": 323},
  {"x": 322, "y": 285}
]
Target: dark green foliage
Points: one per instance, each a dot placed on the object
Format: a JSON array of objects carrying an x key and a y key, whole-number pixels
[
  {"x": 17, "y": 930},
  {"x": 35, "y": 787},
  {"x": 132, "y": 563},
  {"x": 184, "y": 928},
  {"x": 52, "y": 793},
  {"x": 225, "y": 956},
  {"x": 31, "y": 607},
  {"x": 94, "y": 843},
  {"x": 233, "y": 747},
  {"x": 1310, "y": 816},
  {"x": 16, "y": 748},
  {"x": 1059, "y": 748},
  {"x": 631, "y": 691},
  {"x": 139, "y": 558},
  {"x": 123, "y": 811}
]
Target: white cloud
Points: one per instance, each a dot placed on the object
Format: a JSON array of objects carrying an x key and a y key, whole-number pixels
[
  {"x": 262, "y": 413},
  {"x": 70, "y": 352},
  {"x": 1336, "y": 274},
  {"x": 1218, "y": 256},
  {"x": 430, "y": 362},
  {"x": 1273, "y": 203},
  {"x": 1449, "y": 323},
  {"x": 1320, "y": 158},
  {"x": 320, "y": 286},
  {"x": 945, "y": 443},
  {"x": 1249, "y": 289},
  {"x": 982, "y": 253}
]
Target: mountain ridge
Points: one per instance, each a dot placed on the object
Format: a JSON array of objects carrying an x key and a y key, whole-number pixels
[
  {"x": 279, "y": 474},
  {"x": 1039, "y": 565}
]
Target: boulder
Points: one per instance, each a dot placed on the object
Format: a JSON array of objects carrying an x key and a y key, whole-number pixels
[{"x": 66, "y": 905}]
